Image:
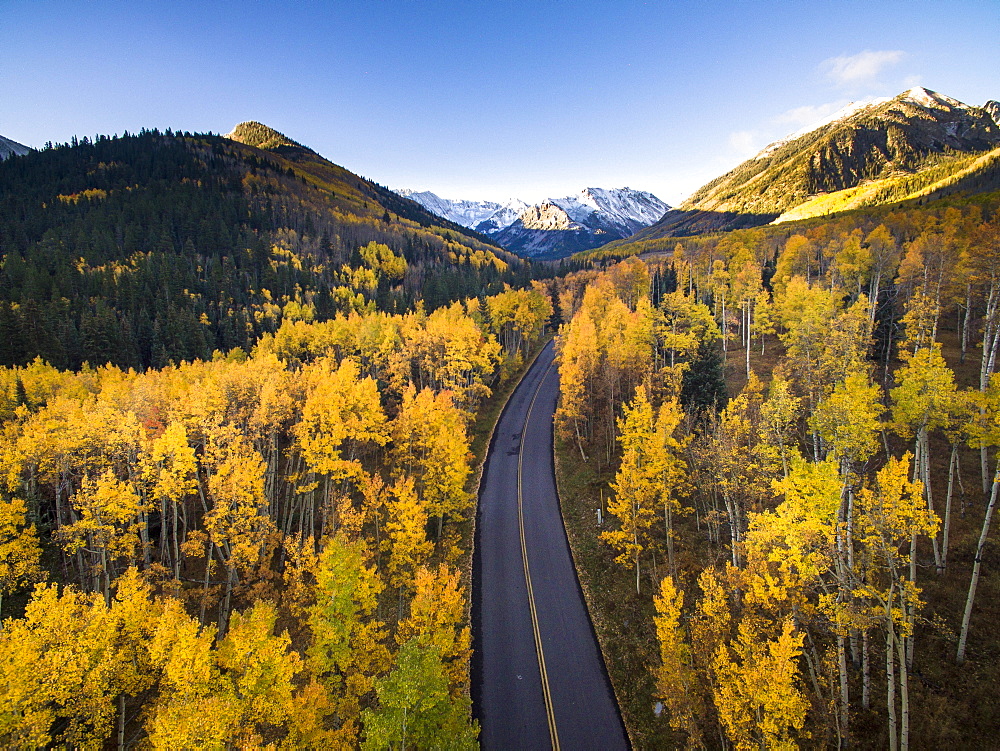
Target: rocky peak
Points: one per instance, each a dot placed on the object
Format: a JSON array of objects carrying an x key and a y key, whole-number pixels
[
  {"x": 259, "y": 135},
  {"x": 547, "y": 216},
  {"x": 992, "y": 108}
]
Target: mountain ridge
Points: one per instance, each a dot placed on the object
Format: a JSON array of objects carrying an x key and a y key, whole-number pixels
[
  {"x": 896, "y": 146},
  {"x": 554, "y": 227},
  {"x": 10, "y": 148}
]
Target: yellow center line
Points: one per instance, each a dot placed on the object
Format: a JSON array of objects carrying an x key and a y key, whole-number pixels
[{"x": 553, "y": 733}]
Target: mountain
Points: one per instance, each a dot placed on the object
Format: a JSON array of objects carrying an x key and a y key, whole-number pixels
[
  {"x": 914, "y": 145},
  {"x": 155, "y": 247},
  {"x": 482, "y": 216},
  {"x": 555, "y": 227},
  {"x": 993, "y": 108},
  {"x": 10, "y": 148}
]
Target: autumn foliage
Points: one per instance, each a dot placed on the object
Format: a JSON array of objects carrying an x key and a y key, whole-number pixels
[{"x": 260, "y": 550}]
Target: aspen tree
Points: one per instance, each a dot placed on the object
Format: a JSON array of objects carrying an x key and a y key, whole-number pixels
[
  {"x": 172, "y": 474},
  {"x": 637, "y": 483},
  {"x": 430, "y": 445},
  {"x": 921, "y": 402},
  {"x": 759, "y": 700},
  {"x": 347, "y": 649},
  {"x": 989, "y": 436},
  {"x": 578, "y": 360},
  {"x": 677, "y": 683},
  {"x": 889, "y": 517},
  {"x": 415, "y": 709},
  {"x": 406, "y": 535},
  {"x": 19, "y": 550}
]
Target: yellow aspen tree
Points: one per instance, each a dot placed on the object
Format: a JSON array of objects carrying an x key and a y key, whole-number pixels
[
  {"x": 262, "y": 669},
  {"x": 194, "y": 707},
  {"x": 884, "y": 261},
  {"x": 779, "y": 414},
  {"x": 712, "y": 620},
  {"x": 890, "y": 517},
  {"x": 237, "y": 521},
  {"x": 430, "y": 444},
  {"x": 921, "y": 403},
  {"x": 107, "y": 529},
  {"x": 680, "y": 325},
  {"x": 406, "y": 535},
  {"x": 342, "y": 413},
  {"x": 437, "y": 616},
  {"x": 69, "y": 664},
  {"x": 636, "y": 485},
  {"x": 348, "y": 648},
  {"x": 172, "y": 471},
  {"x": 670, "y": 446},
  {"x": 19, "y": 550},
  {"x": 758, "y": 696},
  {"x": 578, "y": 361},
  {"x": 677, "y": 683}
]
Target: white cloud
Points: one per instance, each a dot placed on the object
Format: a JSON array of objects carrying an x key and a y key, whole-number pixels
[
  {"x": 809, "y": 114},
  {"x": 850, "y": 70},
  {"x": 743, "y": 142}
]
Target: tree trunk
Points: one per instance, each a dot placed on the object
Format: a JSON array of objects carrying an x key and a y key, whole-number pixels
[
  {"x": 904, "y": 697},
  {"x": 947, "y": 508},
  {"x": 845, "y": 703},
  {"x": 866, "y": 675},
  {"x": 925, "y": 464},
  {"x": 890, "y": 677},
  {"x": 976, "y": 567},
  {"x": 204, "y": 589},
  {"x": 121, "y": 722}
]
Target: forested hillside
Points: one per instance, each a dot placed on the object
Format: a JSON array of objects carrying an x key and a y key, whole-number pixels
[
  {"x": 916, "y": 145},
  {"x": 237, "y": 393},
  {"x": 145, "y": 249},
  {"x": 799, "y": 553}
]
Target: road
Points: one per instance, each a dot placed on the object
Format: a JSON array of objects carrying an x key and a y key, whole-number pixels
[{"x": 538, "y": 677}]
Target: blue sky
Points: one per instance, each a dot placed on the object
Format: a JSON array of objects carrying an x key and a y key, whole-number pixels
[{"x": 478, "y": 99}]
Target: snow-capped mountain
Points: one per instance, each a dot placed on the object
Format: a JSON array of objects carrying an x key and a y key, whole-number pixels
[
  {"x": 492, "y": 216},
  {"x": 9, "y": 148},
  {"x": 557, "y": 226}
]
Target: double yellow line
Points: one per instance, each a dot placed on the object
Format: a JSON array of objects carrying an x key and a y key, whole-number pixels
[{"x": 546, "y": 692}]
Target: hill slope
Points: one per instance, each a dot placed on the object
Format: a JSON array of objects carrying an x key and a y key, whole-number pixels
[
  {"x": 155, "y": 247},
  {"x": 883, "y": 151},
  {"x": 10, "y": 148}
]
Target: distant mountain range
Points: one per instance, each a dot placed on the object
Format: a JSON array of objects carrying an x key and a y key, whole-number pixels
[
  {"x": 917, "y": 145},
  {"x": 555, "y": 227},
  {"x": 10, "y": 148}
]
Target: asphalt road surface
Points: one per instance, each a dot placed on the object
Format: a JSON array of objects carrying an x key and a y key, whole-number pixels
[{"x": 538, "y": 678}]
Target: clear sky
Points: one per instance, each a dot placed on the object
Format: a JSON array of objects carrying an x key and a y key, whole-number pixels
[{"x": 487, "y": 100}]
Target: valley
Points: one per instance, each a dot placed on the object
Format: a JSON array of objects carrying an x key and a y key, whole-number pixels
[{"x": 744, "y": 498}]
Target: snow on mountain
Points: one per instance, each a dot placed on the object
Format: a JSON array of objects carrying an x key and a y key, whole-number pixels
[
  {"x": 555, "y": 226},
  {"x": 8, "y": 148},
  {"x": 467, "y": 213},
  {"x": 993, "y": 108}
]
